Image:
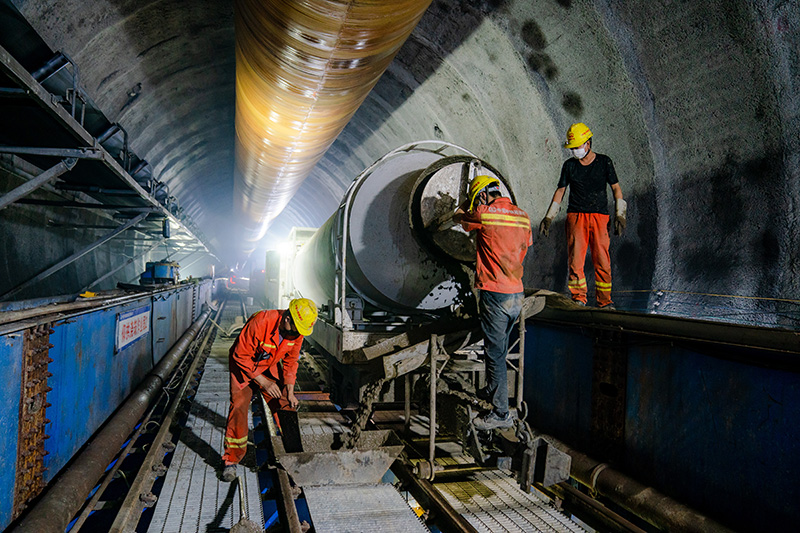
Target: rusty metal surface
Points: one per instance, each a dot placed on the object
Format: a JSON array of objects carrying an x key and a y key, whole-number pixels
[
  {"x": 324, "y": 461},
  {"x": 32, "y": 408}
]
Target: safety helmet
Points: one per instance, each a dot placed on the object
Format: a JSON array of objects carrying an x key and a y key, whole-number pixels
[
  {"x": 304, "y": 315},
  {"x": 477, "y": 185},
  {"x": 577, "y": 134}
]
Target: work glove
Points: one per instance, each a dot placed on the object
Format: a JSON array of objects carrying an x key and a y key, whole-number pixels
[
  {"x": 544, "y": 225},
  {"x": 620, "y": 216}
]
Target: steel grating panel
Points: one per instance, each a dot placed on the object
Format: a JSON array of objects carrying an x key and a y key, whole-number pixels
[
  {"x": 193, "y": 499},
  {"x": 361, "y": 509},
  {"x": 492, "y": 502},
  {"x": 321, "y": 424}
]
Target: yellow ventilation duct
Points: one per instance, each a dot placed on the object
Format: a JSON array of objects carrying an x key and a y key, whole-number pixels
[{"x": 303, "y": 67}]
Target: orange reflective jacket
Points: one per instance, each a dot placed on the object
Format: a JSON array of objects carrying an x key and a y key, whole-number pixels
[
  {"x": 260, "y": 347},
  {"x": 504, "y": 235}
]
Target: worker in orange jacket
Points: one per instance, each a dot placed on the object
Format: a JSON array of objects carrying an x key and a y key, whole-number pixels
[
  {"x": 268, "y": 338},
  {"x": 503, "y": 237},
  {"x": 587, "y": 174}
]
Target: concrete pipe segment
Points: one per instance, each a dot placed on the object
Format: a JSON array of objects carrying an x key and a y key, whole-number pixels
[{"x": 395, "y": 259}]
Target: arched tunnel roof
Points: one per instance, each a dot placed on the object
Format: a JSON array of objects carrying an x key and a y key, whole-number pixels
[{"x": 696, "y": 105}]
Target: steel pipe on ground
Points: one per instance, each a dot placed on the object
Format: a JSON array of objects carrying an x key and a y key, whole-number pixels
[
  {"x": 645, "y": 502},
  {"x": 66, "y": 496}
]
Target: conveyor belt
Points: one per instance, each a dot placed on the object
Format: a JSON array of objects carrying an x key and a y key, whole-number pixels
[{"x": 193, "y": 499}]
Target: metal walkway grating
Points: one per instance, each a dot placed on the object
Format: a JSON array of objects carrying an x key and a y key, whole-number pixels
[
  {"x": 493, "y": 503},
  {"x": 361, "y": 509},
  {"x": 193, "y": 499}
]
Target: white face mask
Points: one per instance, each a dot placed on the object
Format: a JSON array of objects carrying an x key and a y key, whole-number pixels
[{"x": 579, "y": 153}]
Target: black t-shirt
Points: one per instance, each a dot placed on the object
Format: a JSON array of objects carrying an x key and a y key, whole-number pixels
[{"x": 587, "y": 184}]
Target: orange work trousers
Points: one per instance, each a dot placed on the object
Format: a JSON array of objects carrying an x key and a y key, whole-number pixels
[
  {"x": 589, "y": 230},
  {"x": 237, "y": 427}
]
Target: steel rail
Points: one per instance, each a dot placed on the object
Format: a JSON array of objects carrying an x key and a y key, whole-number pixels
[
  {"x": 109, "y": 476},
  {"x": 131, "y": 509},
  {"x": 287, "y": 505},
  {"x": 450, "y": 516},
  {"x": 68, "y": 493}
]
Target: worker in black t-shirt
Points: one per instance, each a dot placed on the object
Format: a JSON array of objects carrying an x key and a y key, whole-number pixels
[{"x": 587, "y": 174}]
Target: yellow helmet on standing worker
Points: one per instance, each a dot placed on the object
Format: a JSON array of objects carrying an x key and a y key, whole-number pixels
[
  {"x": 477, "y": 185},
  {"x": 577, "y": 134},
  {"x": 304, "y": 315}
]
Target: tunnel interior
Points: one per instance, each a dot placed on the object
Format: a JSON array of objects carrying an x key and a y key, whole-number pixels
[
  {"x": 694, "y": 103},
  {"x": 697, "y": 104}
]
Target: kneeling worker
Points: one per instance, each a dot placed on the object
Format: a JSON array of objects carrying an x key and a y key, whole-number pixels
[
  {"x": 504, "y": 235},
  {"x": 267, "y": 338}
]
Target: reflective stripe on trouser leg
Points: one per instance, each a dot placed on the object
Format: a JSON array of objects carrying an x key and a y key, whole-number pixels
[
  {"x": 577, "y": 244},
  {"x": 598, "y": 243},
  {"x": 237, "y": 426}
]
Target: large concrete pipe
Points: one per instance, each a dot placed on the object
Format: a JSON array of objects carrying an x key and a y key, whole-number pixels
[
  {"x": 386, "y": 225},
  {"x": 302, "y": 70}
]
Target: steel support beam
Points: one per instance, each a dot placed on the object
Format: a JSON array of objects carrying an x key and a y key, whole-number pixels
[
  {"x": 76, "y": 153},
  {"x": 40, "y": 180},
  {"x": 77, "y": 255},
  {"x": 195, "y": 261},
  {"x": 6, "y": 92},
  {"x": 101, "y": 190},
  {"x": 86, "y": 205}
]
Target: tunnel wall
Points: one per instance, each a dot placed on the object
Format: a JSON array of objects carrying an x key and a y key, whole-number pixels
[
  {"x": 696, "y": 103},
  {"x": 717, "y": 434},
  {"x": 91, "y": 377},
  {"x": 33, "y": 238}
]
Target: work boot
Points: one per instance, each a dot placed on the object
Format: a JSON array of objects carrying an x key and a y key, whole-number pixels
[
  {"x": 609, "y": 307},
  {"x": 582, "y": 304},
  {"x": 229, "y": 473},
  {"x": 491, "y": 421}
]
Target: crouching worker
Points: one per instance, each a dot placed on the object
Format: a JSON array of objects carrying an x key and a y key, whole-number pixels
[
  {"x": 267, "y": 339},
  {"x": 503, "y": 237}
]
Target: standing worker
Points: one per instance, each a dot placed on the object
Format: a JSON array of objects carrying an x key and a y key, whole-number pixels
[
  {"x": 504, "y": 235},
  {"x": 587, "y": 174},
  {"x": 267, "y": 338}
]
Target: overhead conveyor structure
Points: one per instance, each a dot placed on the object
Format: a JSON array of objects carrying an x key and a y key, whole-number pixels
[{"x": 49, "y": 119}]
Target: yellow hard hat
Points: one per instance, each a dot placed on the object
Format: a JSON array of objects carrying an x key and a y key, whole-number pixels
[
  {"x": 577, "y": 134},
  {"x": 304, "y": 315},
  {"x": 477, "y": 185}
]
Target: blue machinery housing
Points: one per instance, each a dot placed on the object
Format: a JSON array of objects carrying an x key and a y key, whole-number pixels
[{"x": 77, "y": 369}]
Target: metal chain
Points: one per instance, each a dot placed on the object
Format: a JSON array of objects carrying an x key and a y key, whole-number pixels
[{"x": 363, "y": 413}]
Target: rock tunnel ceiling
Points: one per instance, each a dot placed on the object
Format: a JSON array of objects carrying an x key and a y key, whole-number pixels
[{"x": 697, "y": 103}]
